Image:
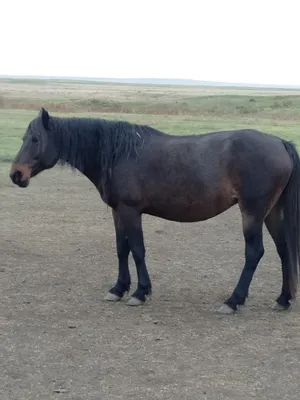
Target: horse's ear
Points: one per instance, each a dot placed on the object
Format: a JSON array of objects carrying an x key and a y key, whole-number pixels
[{"x": 44, "y": 115}]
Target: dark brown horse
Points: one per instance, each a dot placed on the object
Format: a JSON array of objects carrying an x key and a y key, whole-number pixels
[{"x": 137, "y": 170}]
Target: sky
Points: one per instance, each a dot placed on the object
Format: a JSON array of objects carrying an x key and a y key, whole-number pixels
[{"x": 255, "y": 41}]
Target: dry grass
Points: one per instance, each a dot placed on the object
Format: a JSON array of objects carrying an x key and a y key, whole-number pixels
[{"x": 160, "y": 100}]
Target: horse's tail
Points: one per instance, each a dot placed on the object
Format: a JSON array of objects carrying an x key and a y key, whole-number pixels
[{"x": 291, "y": 215}]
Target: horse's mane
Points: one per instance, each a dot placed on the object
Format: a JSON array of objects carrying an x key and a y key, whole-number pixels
[{"x": 92, "y": 144}]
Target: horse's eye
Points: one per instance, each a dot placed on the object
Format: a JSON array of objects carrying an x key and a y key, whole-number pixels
[{"x": 34, "y": 140}]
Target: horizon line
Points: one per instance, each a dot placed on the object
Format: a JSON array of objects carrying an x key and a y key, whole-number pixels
[{"x": 159, "y": 81}]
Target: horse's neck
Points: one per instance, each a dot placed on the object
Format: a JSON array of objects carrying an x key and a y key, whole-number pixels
[
  {"x": 72, "y": 154},
  {"x": 67, "y": 141}
]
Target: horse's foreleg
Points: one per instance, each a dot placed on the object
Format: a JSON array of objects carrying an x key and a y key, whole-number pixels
[
  {"x": 123, "y": 283},
  {"x": 132, "y": 222}
]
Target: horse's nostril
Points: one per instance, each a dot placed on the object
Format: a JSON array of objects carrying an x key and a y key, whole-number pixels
[{"x": 16, "y": 177}]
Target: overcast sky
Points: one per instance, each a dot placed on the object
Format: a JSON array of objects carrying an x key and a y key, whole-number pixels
[{"x": 251, "y": 41}]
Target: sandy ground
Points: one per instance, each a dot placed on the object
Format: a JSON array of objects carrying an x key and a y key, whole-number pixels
[{"x": 60, "y": 340}]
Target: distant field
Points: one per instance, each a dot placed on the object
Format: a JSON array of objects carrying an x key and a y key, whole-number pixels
[
  {"x": 140, "y": 99},
  {"x": 173, "y": 109}
]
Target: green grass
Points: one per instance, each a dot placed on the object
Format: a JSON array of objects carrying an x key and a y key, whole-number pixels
[
  {"x": 13, "y": 124},
  {"x": 173, "y": 110}
]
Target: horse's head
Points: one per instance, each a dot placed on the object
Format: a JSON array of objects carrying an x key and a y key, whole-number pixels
[{"x": 37, "y": 153}]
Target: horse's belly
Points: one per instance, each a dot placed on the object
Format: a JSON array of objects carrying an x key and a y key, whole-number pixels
[{"x": 181, "y": 212}]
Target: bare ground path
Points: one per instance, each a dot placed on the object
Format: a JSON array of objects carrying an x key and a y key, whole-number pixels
[{"x": 60, "y": 340}]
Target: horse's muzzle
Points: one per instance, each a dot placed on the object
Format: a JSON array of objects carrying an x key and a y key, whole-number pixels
[{"x": 18, "y": 179}]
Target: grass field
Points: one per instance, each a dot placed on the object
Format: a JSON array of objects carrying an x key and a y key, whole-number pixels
[
  {"x": 59, "y": 339},
  {"x": 178, "y": 110}
]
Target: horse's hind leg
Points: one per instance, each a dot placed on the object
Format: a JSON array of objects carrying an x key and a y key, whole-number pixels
[
  {"x": 274, "y": 223},
  {"x": 252, "y": 229}
]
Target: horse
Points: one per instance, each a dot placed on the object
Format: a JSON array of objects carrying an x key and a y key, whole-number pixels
[{"x": 140, "y": 170}]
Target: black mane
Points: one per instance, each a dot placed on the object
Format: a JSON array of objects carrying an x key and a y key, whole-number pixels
[{"x": 91, "y": 143}]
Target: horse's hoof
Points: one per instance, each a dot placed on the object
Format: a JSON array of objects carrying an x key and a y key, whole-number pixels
[
  {"x": 280, "y": 307},
  {"x": 225, "y": 309},
  {"x": 134, "y": 301},
  {"x": 112, "y": 297}
]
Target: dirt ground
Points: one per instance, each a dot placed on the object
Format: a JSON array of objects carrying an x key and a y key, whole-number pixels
[{"x": 60, "y": 340}]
